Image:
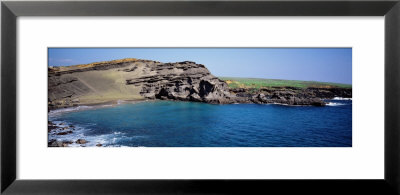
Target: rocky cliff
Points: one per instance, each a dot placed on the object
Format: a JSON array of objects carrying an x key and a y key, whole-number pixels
[
  {"x": 186, "y": 81},
  {"x": 289, "y": 95},
  {"x": 135, "y": 79}
]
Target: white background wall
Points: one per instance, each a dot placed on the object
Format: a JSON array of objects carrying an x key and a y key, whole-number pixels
[{"x": 362, "y": 161}]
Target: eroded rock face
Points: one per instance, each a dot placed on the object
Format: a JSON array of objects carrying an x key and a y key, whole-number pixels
[
  {"x": 289, "y": 95},
  {"x": 185, "y": 81},
  {"x": 136, "y": 79}
]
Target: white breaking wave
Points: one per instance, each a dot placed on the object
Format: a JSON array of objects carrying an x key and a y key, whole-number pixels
[
  {"x": 111, "y": 139},
  {"x": 341, "y": 98},
  {"x": 76, "y": 108},
  {"x": 334, "y": 104},
  {"x": 71, "y": 109},
  {"x": 78, "y": 132}
]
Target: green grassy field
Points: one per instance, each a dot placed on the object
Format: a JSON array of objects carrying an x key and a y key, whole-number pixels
[{"x": 236, "y": 82}]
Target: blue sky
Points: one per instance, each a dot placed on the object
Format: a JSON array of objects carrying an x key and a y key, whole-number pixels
[{"x": 310, "y": 64}]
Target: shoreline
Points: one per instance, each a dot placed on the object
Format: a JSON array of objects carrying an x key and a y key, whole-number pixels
[
  {"x": 113, "y": 103},
  {"x": 96, "y": 105}
]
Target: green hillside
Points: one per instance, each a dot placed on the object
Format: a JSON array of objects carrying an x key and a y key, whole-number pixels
[{"x": 236, "y": 82}]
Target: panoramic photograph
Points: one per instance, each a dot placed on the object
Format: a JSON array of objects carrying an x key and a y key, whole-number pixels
[{"x": 199, "y": 97}]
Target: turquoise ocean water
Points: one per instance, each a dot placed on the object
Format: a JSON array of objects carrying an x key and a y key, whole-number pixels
[{"x": 189, "y": 124}]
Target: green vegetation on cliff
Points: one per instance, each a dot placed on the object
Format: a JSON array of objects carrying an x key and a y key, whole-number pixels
[{"x": 236, "y": 82}]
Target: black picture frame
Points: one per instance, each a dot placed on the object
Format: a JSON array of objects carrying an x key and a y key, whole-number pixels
[{"x": 10, "y": 10}]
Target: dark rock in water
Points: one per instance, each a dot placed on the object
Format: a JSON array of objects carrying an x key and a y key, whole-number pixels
[
  {"x": 64, "y": 133},
  {"x": 50, "y": 142},
  {"x": 81, "y": 141},
  {"x": 55, "y": 143},
  {"x": 51, "y": 126},
  {"x": 99, "y": 145}
]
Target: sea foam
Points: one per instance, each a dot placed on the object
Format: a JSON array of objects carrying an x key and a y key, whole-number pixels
[
  {"x": 334, "y": 104},
  {"x": 341, "y": 98}
]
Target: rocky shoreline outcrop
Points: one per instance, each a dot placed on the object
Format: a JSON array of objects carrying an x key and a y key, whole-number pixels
[
  {"x": 182, "y": 81},
  {"x": 61, "y": 129},
  {"x": 289, "y": 95}
]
